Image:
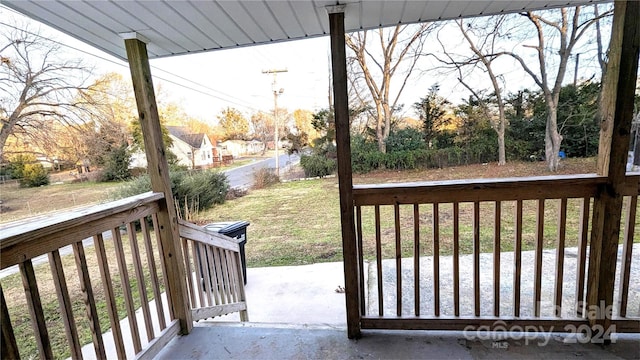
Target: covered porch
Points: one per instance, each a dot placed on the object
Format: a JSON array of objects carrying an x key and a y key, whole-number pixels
[
  {"x": 200, "y": 271},
  {"x": 265, "y": 341}
]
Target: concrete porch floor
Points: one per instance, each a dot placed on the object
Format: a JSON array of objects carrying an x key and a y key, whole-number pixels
[
  {"x": 296, "y": 313},
  {"x": 211, "y": 340}
]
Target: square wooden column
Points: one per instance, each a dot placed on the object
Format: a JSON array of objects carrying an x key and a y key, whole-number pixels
[
  {"x": 618, "y": 95},
  {"x": 345, "y": 180},
  {"x": 158, "y": 169}
]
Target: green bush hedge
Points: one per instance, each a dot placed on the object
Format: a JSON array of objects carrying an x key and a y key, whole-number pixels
[
  {"x": 363, "y": 162},
  {"x": 34, "y": 175},
  {"x": 317, "y": 165},
  {"x": 201, "y": 190},
  {"x": 116, "y": 165}
]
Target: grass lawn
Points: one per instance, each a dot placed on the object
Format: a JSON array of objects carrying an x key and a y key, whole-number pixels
[
  {"x": 292, "y": 223},
  {"x": 299, "y": 222},
  {"x": 19, "y": 203}
]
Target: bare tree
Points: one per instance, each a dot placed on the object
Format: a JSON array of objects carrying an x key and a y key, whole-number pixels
[
  {"x": 262, "y": 128},
  {"x": 37, "y": 84},
  {"x": 482, "y": 37},
  {"x": 399, "y": 50},
  {"x": 569, "y": 28}
]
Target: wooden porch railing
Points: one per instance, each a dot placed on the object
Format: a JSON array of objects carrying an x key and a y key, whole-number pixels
[
  {"x": 214, "y": 273},
  {"x": 120, "y": 268},
  {"x": 481, "y": 228}
]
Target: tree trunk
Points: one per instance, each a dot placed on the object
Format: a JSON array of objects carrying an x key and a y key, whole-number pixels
[
  {"x": 382, "y": 145},
  {"x": 502, "y": 157},
  {"x": 387, "y": 125},
  {"x": 552, "y": 138},
  {"x": 393, "y": 52},
  {"x": 4, "y": 135}
]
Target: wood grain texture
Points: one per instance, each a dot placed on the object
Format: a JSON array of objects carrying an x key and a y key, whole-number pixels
[
  {"x": 126, "y": 289},
  {"x": 140, "y": 280},
  {"x": 88, "y": 298},
  {"x": 64, "y": 304},
  {"x": 8, "y": 345},
  {"x": 43, "y": 241},
  {"x": 345, "y": 180},
  {"x": 187, "y": 257},
  {"x": 158, "y": 170},
  {"x": 517, "y": 259},
  {"x": 156, "y": 345},
  {"x": 456, "y": 259},
  {"x": 379, "y": 260},
  {"x": 217, "y": 310},
  {"x": 396, "y": 211},
  {"x": 627, "y": 254},
  {"x": 32, "y": 229},
  {"x": 537, "y": 271},
  {"x": 472, "y": 190},
  {"x": 244, "y": 314},
  {"x": 202, "y": 235},
  {"x": 583, "y": 237},
  {"x": 476, "y": 258},
  {"x": 360, "y": 257},
  {"x": 490, "y": 322},
  {"x": 436, "y": 259},
  {"x": 608, "y": 201},
  {"x": 163, "y": 266},
  {"x": 34, "y": 305},
  {"x": 497, "y": 230},
  {"x": 416, "y": 259},
  {"x": 153, "y": 273},
  {"x": 110, "y": 298},
  {"x": 562, "y": 233}
]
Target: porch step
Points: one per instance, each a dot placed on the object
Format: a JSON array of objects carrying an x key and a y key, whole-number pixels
[{"x": 210, "y": 340}]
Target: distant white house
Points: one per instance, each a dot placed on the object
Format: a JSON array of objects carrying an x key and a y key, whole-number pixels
[
  {"x": 192, "y": 150},
  {"x": 239, "y": 148}
]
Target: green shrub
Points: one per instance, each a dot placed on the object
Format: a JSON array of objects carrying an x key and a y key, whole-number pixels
[
  {"x": 519, "y": 150},
  {"x": 116, "y": 165},
  {"x": 201, "y": 190},
  {"x": 17, "y": 163},
  {"x": 132, "y": 187},
  {"x": 317, "y": 165},
  {"x": 451, "y": 156},
  {"x": 407, "y": 139},
  {"x": 34, "y": 175},
  {"x": 205, "y": 189},
  {"x": 365, "y": 156}
]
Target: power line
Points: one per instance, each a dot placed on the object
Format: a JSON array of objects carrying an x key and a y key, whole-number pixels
[
  {"x": 121, "y": 63},
  {"x": 276, "y": 93}
]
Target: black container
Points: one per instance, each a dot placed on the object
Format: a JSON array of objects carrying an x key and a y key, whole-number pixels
[{"x": 236, "y": 230}]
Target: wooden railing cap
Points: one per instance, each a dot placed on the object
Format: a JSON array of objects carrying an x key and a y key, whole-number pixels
[{"x": 49, "y": 223}]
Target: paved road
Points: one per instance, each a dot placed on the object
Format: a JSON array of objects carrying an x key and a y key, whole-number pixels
[
  {"x": 238, "y": 177},
  {"x": 243, "y": 176}
]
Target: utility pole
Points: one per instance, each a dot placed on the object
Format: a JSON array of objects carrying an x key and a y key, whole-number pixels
[
  {"x": 276, "y": 92},
  {"x": 575, "y": 72}
]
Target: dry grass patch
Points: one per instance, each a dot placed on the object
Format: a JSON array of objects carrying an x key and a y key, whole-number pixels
[{"x": 18, "y": 203}]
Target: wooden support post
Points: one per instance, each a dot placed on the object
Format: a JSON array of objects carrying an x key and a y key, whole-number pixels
[
  {"x": 618, "y": 91},
  {"x": 159, "y": 173},
  {"x": 345, "y": 181}
]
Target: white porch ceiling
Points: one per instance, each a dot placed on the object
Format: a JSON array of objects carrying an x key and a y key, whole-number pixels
[{"x": 182, "y": 27}]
